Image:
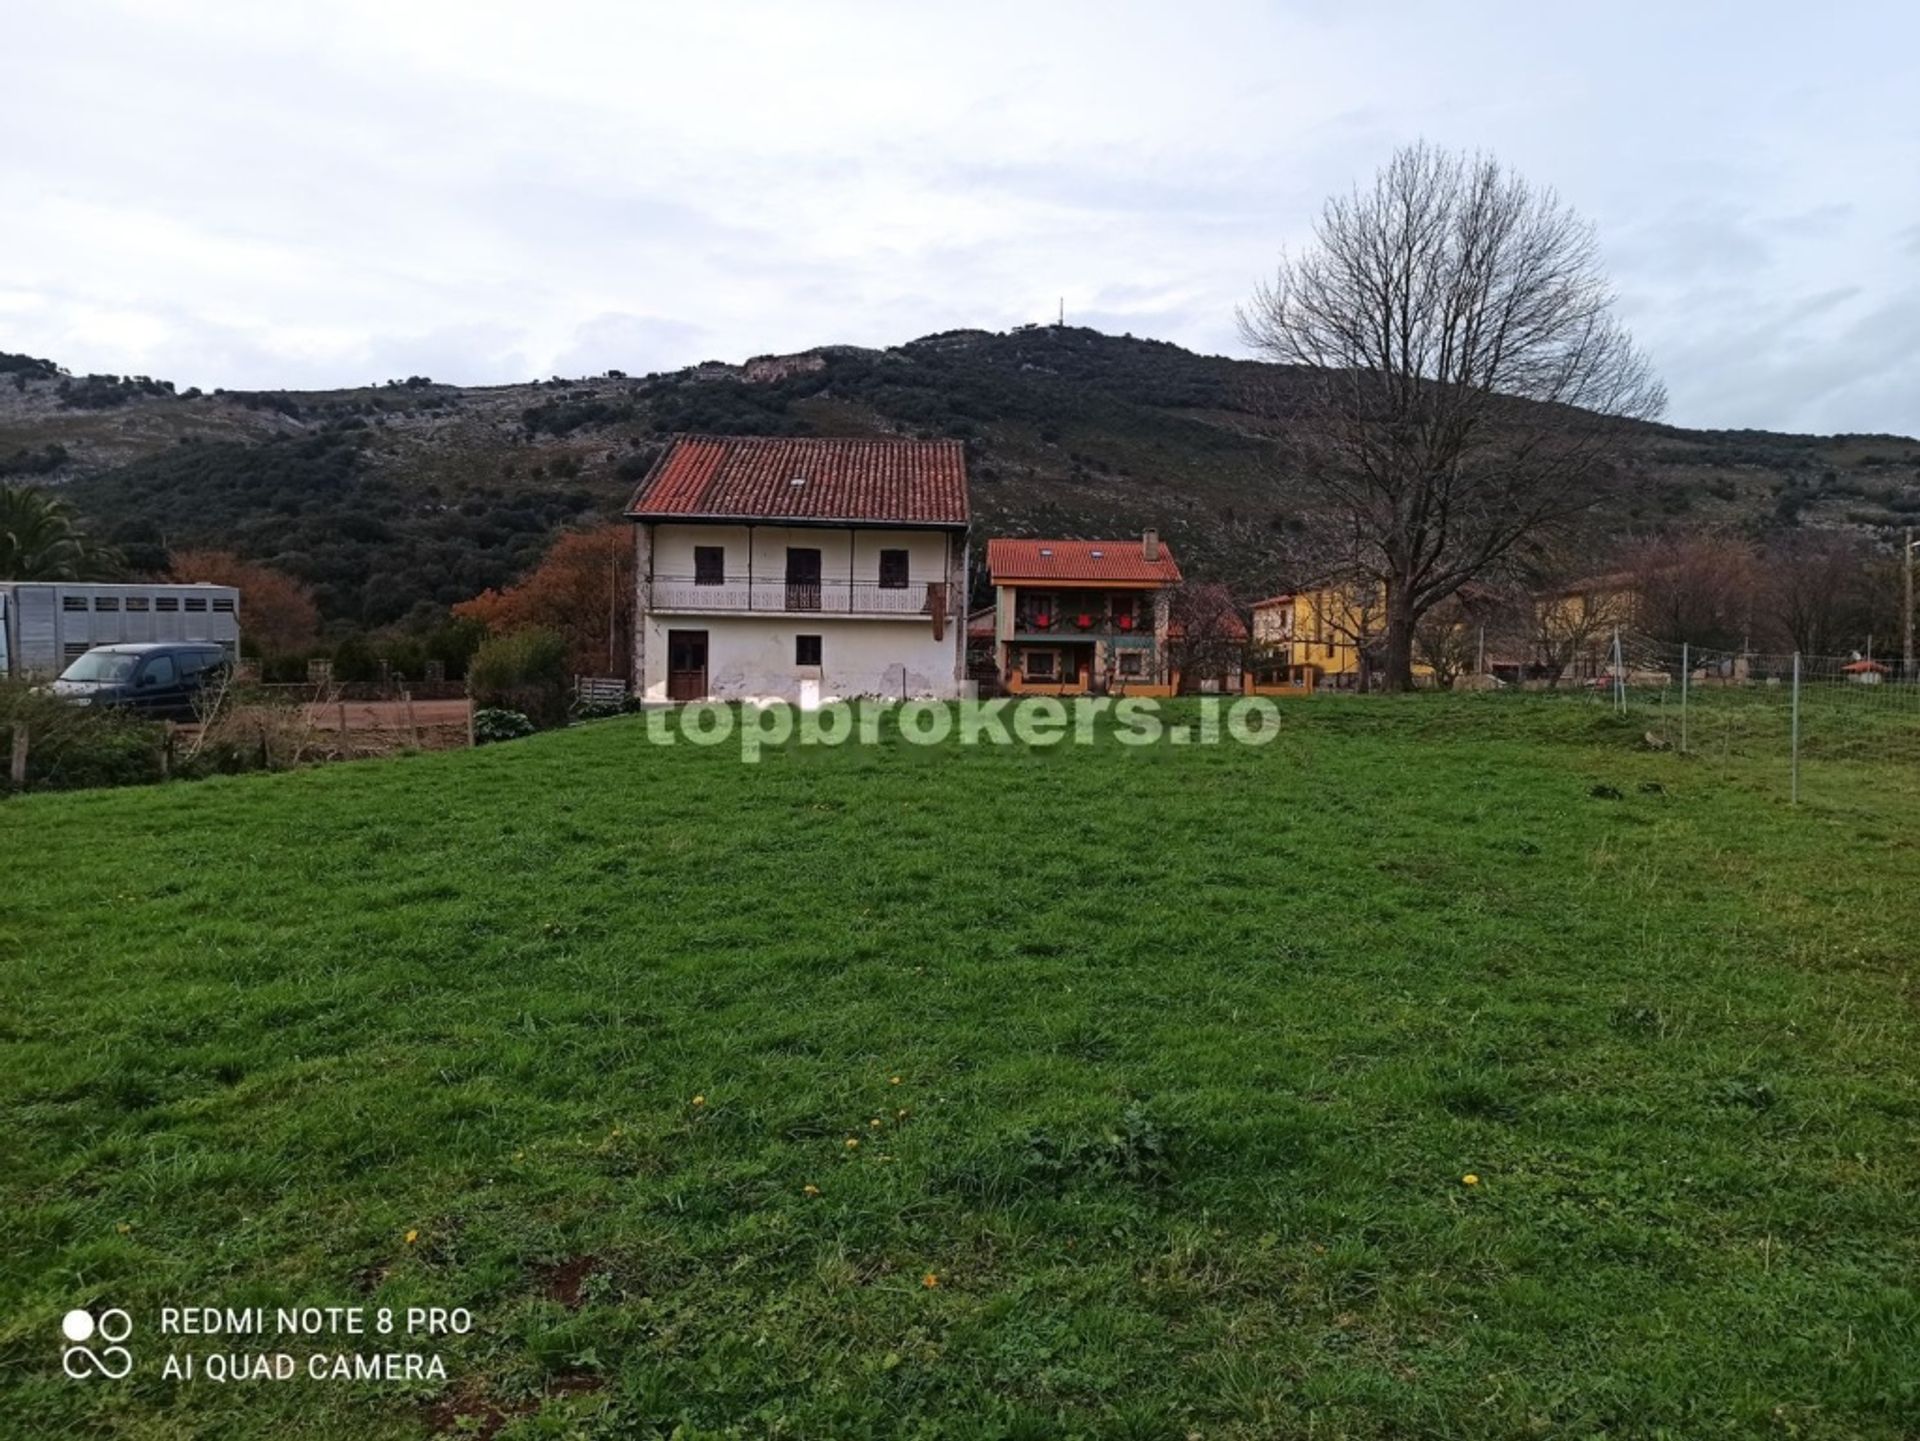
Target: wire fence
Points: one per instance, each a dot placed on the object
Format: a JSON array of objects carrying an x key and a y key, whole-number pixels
[{"x": 1779, "y": 716}]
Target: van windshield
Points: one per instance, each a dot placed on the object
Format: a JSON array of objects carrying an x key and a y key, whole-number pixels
[{"x": 101, "y": 666}]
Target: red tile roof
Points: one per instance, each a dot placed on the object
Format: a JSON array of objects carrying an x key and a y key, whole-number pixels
[
  {"x": 742, "y": 477},
  {"x": 1284, "y": 598},
  {"x": 1079, "y": 561}
]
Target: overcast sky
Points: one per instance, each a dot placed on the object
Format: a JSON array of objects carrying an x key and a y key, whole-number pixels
[{"x": 278, "y": 194}]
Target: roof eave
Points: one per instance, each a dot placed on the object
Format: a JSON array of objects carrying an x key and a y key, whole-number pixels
[{"x": 731, "y": 518}]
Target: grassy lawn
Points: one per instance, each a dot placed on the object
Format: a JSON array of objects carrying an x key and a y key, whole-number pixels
[{"x": 1166, "y": 1064}]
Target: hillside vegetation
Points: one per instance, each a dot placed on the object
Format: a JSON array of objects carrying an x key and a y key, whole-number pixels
[
  {"x": 886, "y": 1091},
  {"x": 413, "y": 494}
]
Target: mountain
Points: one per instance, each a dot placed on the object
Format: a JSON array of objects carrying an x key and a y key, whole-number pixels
[{"x": 406, "y": 496}]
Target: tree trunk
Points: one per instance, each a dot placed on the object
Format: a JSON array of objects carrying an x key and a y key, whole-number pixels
[{"x": 1399, "y": 658}]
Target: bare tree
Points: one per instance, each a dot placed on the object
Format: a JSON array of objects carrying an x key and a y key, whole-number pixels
[
  {"x": 1696, "y": 590},
  {"x": 1445, "y": 641},
  {"x": 1466, "y": 375},
  {"x": 1816, "y": 592},
  {"x": 1206, "y": 639},
  {"x": 1572, "y": 620}
]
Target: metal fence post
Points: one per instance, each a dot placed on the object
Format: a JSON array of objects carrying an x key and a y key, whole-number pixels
[
  {"x": 1796, "y": 729},
  {"x": 1686, "y": 675}
]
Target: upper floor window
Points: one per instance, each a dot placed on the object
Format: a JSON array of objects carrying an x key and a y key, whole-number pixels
[
  {"x": 709, "y": 565},
  {"x": 893, "y": 570}
]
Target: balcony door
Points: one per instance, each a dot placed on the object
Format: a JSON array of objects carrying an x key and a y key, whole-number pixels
[{"x": 803, "y": 578}]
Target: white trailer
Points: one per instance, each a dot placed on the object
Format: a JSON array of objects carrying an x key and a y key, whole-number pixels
[{"x": 46, "y": 625}]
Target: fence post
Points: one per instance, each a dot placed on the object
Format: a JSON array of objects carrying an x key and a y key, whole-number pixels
[
  {"x": 413, "y": 725},
  {"x": 1796, "y": 729},
  {"x": 1686, "y": 677},
  {"x": 470, "y": 740},
  {"x": 1619, "y": 677},
  {"x": 19, "y": 772}
]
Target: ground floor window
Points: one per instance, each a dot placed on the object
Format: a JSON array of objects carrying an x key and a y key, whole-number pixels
[
  {"x": 1132, "y": 664},
  {"x": 1042, "y": 665},
  {"x": 806, "y": 650}
]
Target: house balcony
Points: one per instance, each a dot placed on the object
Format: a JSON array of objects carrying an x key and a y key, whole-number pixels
[
  {"x": 868, "y": 599},
  {"x": 1069, "y": 627}
]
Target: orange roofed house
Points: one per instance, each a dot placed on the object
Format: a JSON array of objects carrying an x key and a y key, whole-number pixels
[
  {"x": 801, "y": 569},
  {"x": 1082, "y": 615}
]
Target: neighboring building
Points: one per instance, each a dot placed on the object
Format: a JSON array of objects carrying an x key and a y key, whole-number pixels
[
  {"x": 47, "y": 625},
  {"x": 801, "y": 569},
  {"x": 1273, "y": 622},
  {"x": 1322, "y": 633},
  {"x": 1072, "y": 616},
  {"x": 1567, "y": 631}
]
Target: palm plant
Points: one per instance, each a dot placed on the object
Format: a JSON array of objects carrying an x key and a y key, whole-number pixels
[{"x": 40, "y": 540}]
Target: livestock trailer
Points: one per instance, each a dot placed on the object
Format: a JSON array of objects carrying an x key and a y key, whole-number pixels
[{"x": 46, "y": 625}]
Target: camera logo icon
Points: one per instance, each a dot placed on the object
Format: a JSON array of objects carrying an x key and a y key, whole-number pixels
[{"x": 105, "y": 1356}]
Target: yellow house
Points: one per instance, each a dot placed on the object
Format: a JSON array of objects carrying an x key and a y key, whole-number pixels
[
  {"x": 1572, "y": 628},
  {"x": 1326, "y": 633},
  {"x": 1322, "y": 631}
]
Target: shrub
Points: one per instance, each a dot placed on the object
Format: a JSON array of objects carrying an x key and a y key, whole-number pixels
[
  {"x": 526, "y": 672},
  {"x": 585, "y": 710},
  {"x": 71, "y": 746},
  {"x": 494, "y": 724}
]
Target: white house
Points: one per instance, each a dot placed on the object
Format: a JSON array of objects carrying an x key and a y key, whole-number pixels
[{"x": 775, "y": 567}]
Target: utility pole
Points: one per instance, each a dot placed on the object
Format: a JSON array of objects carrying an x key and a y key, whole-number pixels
[{"x": 1906, "y": 610}]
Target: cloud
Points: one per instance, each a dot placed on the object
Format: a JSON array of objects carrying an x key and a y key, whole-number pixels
[
  {"x": 281, "y": 195},
  {"x": 633, "y": 343}
]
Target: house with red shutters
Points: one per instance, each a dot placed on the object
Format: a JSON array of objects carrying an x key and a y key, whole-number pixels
[{"x": 1079, "y": 616}]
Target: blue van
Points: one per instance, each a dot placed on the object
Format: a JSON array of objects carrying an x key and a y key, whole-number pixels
[{"x": 162, "y": 678}]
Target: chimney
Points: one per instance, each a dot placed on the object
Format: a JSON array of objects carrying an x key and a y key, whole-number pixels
[{"x": 1150, "y": 545}]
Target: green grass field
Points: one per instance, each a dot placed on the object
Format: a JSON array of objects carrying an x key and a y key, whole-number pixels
[{"x": 1166, "y": 1064}]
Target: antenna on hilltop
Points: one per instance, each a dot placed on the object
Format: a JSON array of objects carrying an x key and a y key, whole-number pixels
[{"x": 1062, "y": 321}]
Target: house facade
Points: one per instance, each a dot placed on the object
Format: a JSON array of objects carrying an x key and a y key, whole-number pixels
[
  {"x": 800, "y": 569},
  {"x": 1073, "y": 616},
  {"x": 1318, "y": 632}
]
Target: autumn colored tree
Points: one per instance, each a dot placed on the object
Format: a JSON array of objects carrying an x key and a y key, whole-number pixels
[
  {"x": 582, "y": 589},
  {"x": 277, "y": 613}
]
